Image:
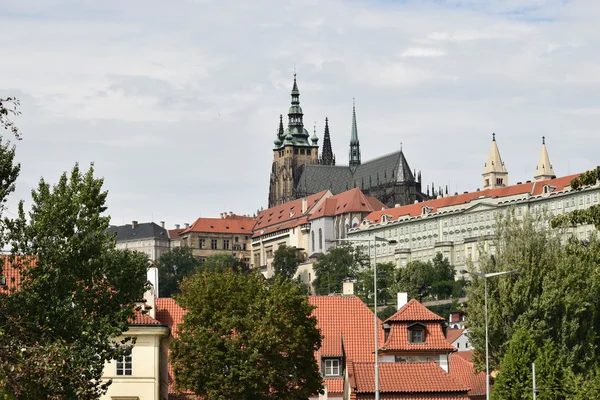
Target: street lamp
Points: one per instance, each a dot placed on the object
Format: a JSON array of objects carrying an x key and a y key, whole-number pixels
[
  {"x": 374, "y": 239},
  {"x": 487, "y": 356}
]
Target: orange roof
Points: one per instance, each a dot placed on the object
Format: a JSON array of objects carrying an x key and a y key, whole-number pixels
[
  {"x": 404, "y": 378},
  {"x": 174, "y": 233},
  {"x": 434, "y": 339},
  {"x": 334, "y": 385},
  {"x": 464, "y": 372},
  {"x": 453, "y": 334},
  {"x": 531, "y": 188},
  {"x": 284, "y": 214},
  {"x": 171, "y": 314},
  {"x": 140, "y": 318},
  {"x": 232, "y": 224},
  {"x": 414, "y": 311},
  {"x": 10, "y": 270},
  {"x": 352, "y": 200},
  {"x": 466, "y": 355},
  {"x": 347, "y": 317}
]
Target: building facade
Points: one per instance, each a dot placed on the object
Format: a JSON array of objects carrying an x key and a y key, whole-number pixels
[
  {"x": 147, "y": 237},
  {"x": 457, "y": 225},
  {"x": 298, "y": 171},
  {"x": 229, "y": 234}
]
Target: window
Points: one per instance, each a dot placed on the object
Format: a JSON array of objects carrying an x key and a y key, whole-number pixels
[
  {"x": 236, "y": 239},
  {"x": 201, "y": 244},
  {"x": 320, "y": 239},
  {"x": 225, "y": 244},
  {"x": 124, "y": 366},
  {"x": 213, "y": 244},
  {"x": 416, "y": 335},
  {"x": 312, "y": 240},
  {"x": 332, "y": 367}
]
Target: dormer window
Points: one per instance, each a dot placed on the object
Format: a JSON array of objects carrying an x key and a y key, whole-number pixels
[
  {"x": 332, "y": 367},
  {"x": 416, "y": 333}
]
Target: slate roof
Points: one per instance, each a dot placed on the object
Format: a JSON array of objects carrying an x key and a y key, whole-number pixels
[
  {"x": 144, "y": 230},
  {"x": 339, "y": 178}
]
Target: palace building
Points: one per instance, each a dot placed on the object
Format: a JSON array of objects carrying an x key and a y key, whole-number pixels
[{"x": 299, "y": 171}]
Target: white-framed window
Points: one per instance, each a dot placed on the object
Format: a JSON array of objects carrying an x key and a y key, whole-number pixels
[
  {"x": 125, "y": 366},
  {"x": 332, "y": 367}
]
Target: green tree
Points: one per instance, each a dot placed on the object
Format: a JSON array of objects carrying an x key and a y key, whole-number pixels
[
  {"x": 285, "y": 262},
  {"x": 245, "y": 339},
  {"x": 9, "y": 107},
  {"x": 590, "y": 215},
  {"x": 76, "y": 295},
  {"x": 173, "y": 267},
  {"x": 221, "y": 262},
  {"x": 416, "y": 279},
  {"x": 386, "y": 277},
  {"x": 336, "y": 265}
]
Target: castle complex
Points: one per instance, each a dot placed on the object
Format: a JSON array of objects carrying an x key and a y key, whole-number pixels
[{"x": 298, "y": 171}]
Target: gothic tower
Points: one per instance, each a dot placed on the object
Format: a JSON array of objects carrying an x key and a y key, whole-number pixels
[
  {"x": 354, "y": 159},
  {"x": 292, "y": 151},
  {"x": 327, "y": 156},
  {"x": 494, "y": 172},
  {"x": 544, "y": 169}
]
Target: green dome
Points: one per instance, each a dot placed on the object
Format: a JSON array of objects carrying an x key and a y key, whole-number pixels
[{"x": 277, "y": 141}]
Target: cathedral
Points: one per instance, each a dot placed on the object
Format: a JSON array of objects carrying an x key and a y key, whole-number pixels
[{"x": 299, "y": 171}]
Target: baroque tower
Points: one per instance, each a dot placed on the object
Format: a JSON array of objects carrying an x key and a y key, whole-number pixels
[
  {"x": 327, "y": 156},
  {"x": 544, "y": 169},
  {"x": 291, "y": 152},
  {"x": 354, "y": 159},
  {"x": 494, "y": 172}
]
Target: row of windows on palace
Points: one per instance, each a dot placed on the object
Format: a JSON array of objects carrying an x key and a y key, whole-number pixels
[
  {"x": 221, "y": 244},
  {"x": 425, "y": 234}
]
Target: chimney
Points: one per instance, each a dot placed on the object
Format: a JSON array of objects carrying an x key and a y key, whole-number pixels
[
  {"x": 152, "y": 291},
  {"x": 396, "y": 205},
  {"x": 230, "y": 213},
  {"x": 416, "y": 201},
  {"x": 304, "y": 205},
  {"x": 187, "y": 225},
  {"x": 177, "y": 226},
  {"x": 402, "y": 300},
  {"x": 162, "y": 224},
  {"x": 348, "y": 288},
  {"x": 221, "y": 214},
  {"x": 133, "y": 224}
]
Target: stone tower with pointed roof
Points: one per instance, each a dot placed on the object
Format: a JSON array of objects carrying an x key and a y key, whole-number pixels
[
  {"x": 298, "y": 172},
  {"x": 494, "y": 172},
  {"x": 292, "y": 150},
  {"x": 544, "y": 169}
]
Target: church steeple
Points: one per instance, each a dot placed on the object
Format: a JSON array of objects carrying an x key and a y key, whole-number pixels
[
  {"x": 544, "y": 169},
  {"x": 295, "y": 113},
  {"x": 327, "y": 157},
  {"x": 280, "y": 131},
  {"x": 354, "y": 158},
  {"x": 494, "y": 172}
]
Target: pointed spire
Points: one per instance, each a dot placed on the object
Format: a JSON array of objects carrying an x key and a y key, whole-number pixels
[
  {"x": 544, "y": 169},
  {"x": 327, "y": 157},
  {"x": 494, "y": 172},
  {"x": 280, "y": 131},
  {"x": 295, "y": 115},
  {"x": 314, "y": 139},
  {"x": 354, "y": 143}
]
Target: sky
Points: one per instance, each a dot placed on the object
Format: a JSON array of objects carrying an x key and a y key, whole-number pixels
[{"x": 177, "y": 103}]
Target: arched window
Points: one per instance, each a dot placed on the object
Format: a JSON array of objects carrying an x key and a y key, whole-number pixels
[
  {"x": 312, "y": 239},
  {"x": 320, "y": 239}
]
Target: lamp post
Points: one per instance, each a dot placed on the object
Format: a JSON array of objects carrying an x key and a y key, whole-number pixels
[
  {"x": 487, "y": 355},
  {"x": 375, "y": 239}
]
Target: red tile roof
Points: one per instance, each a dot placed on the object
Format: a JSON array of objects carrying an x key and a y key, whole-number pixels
[
  {"x": 171, "y": 314},
  {"x": 414, "y": 311},
  {"x": 453, "y": 334},
  {"x": 174, "y": 233},
  {"x": 352, "y": 200},
  {"x": 285, "y": 214},
  {"x": 350, "y": 318},
  {"x": 434, "y": 339},
  {"x": 334, "y": 386},
  {"x": 232, "y": 224},
  {"x": 466, "y": 355},
  {"x": 406, "y": 378},
  {"x": 143, "y": 319},
  {"x": 10, "y": 270},
  {"x": 531, "y": 188},
  {"x": 464, "y": 371}
]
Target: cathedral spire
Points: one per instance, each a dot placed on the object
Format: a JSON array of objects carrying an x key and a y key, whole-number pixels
[
  {"x": 494, "y": 172},
  {"x": 327, "y": 157},
  {"x": 544, "y": 169},
  {"x": 295, "y": 113},
  {"x": 280, "y": 131},
  {"x": 354, "y": 143}
]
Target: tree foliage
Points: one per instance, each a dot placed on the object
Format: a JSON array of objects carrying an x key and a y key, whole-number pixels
[
  {"x": 336, "y": 265},
  {"x": 173, "y": 267},
  {"x": 9, "y": 106},
  {"x": 245, "y": 339},
  {"x": 386, "y": 273},
  {"x": 430, "y": 280},
  {"x": 76, "y": 293},
  {"x": 285, "y": 262},
  {"x": 221, "y": 262},
  {"x": 590, "y": 215}
]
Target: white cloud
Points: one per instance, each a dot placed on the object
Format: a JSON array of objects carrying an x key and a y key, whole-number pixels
[{"x": 178, "y": 103}]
